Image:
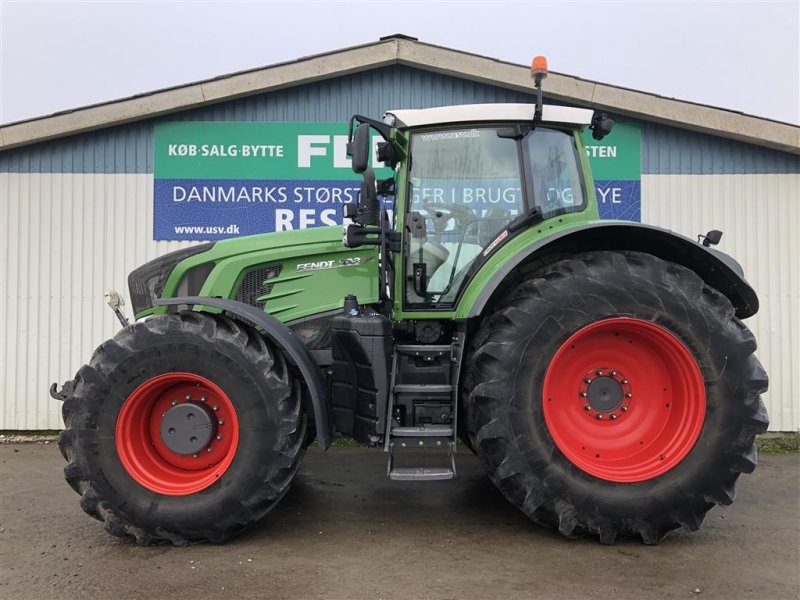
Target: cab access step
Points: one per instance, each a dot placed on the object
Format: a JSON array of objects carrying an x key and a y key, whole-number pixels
[{"x": 433, "y": 408}]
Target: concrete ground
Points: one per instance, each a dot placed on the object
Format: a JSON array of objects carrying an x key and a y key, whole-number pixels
[{"x": 345, "y": 531}]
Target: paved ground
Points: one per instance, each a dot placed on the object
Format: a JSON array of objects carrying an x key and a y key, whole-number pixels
[{"x": 344, "y": 531}]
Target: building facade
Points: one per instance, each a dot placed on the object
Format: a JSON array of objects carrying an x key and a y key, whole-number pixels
[{"x": 79, "y": 204}]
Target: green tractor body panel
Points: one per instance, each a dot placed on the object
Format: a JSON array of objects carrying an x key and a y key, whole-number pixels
[{"x": 309, "y": 271}]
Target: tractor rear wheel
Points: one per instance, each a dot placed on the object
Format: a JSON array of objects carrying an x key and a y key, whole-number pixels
[
  {"x": 183, "y": 428},
  {"x": 615, "y": 395}
]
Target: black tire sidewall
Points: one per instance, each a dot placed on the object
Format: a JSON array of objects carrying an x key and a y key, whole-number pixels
[
  {"x": 264, "y": 425},
  {"x": 544, "y": 318}
]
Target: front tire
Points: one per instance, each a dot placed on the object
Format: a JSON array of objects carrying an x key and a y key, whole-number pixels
[
  {"x": 183, "y": 428},
  {"x": 615, "y": 395}
]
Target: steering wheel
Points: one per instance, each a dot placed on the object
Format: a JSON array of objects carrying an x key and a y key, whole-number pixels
[{"x": 441, "y": 214}]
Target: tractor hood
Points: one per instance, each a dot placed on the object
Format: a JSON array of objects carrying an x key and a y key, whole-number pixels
[{"x": 289, "y": 274}]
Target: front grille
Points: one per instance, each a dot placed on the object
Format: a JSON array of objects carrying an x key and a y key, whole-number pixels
[
  {"x": 146, "y": 283},
  {"x": 255, "y": 284}
]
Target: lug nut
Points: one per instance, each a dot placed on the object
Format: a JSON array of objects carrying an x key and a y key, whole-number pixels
[
  {"x": 599, "y": 417},
  {"x": 624, "y": 381},
  {"x": 623, "y": 408},
  {"x": 599, "y": 373},
  {"x": 202, "y": 398},
  {"x": 583, "y": 394},
  {"x": 174, "y": 402},
  {"x": 188, "y": 397},
  {"x": 628, "y": 395},
  {"x": 209, "y": 449},
  {"x": 221, "y": 421},
  {"x": 612, "y": 416},
  {"x": 613, "y": 373},
  {"x": 587, "y": 407},
  {"x": 216, "y": 408},
  {"x": 194, "y": 455},
  {"x": 587, "y": 381},
  {"x": 219, "y": 437}
]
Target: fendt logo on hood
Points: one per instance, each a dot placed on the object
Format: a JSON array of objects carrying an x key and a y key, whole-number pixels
[{"x": 321, "y": 265}]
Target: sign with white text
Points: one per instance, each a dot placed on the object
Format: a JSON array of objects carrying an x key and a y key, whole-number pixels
[{"x": 215, "y": 180}]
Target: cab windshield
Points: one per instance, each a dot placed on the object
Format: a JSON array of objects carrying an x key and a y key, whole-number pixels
[{"x": 468, "y": 184}]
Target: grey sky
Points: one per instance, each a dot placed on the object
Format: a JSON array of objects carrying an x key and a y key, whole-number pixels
[{"x": 738, "y": 55}]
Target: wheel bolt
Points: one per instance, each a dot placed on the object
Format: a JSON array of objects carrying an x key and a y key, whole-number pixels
[
  {"x": 628, "y": 395},
  {"x": 612, "y": 416},
  {"x": 599, "y": 417},
  {"x": 624, "y": 381},
  {"x": 219, "y": 437},
  {"x": 623, "y": 408},
  {"x": 587, "y": 407},
  {"x": 194, "y": 455},
  {"x": 587, "y": 380},
  {"x": 613, "y": 373},
  {"x": 202, "y": 398},
  {"x": 221, "y": 421},
  {"x": 599, "y": 373},
  {"x": 209, "y": 449},
  {"x": 216, "y": 408},
  {"x": 188, "y": 397},
  {"x": 583, "y": 394},
  {"x": 174, "y": 402}
]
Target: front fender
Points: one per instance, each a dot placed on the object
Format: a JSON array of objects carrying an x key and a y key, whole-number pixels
[
  {"x": 283, "y": 337},
  {"x": 717, "y": 269}
]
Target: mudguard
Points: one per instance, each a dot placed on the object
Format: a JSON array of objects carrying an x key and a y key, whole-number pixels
[
  {"x": 716, "y": 268},
  {"x": 283, "y": 337}
]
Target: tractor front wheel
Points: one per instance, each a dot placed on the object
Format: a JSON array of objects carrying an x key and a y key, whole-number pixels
[
  {"x": 615, "y": 395},
  {"x": 183, "y": 428}
]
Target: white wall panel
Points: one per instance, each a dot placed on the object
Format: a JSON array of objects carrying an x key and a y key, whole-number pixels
[
  {"x": 760, "y": 218},
  {"x": 66, "y": 238}
]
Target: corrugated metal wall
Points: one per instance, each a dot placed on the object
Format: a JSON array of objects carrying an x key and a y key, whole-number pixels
[
  {"x": 760, "y": 218},
  {"x": 76, "y": 217},
  {"x": 64, "y": 238}
]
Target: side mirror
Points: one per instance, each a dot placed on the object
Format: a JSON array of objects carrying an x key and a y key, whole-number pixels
[
  {"x": 712, "y": 238},
  {"x": 358, "y": 148},
  {"x": 601, "y": 125}
]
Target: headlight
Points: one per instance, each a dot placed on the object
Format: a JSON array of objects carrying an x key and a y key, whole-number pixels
[{"x": 147, "y": 282}]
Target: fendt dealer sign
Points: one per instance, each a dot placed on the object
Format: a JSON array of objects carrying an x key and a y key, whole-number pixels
[{"x": 215, "y": 180}]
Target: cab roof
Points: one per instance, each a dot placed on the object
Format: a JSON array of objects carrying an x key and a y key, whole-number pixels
[{"x": 474, "y": 113}]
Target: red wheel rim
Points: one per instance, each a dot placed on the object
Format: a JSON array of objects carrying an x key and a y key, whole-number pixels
[
  {"x": 145, "y": 455},
  {"x": 624, "y": 400}
]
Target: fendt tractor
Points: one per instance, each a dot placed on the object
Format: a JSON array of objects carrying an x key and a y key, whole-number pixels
[{"x": 599, "y": 370}]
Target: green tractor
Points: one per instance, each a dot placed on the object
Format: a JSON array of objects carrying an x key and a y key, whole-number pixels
[{"x": 598, "y": 369}]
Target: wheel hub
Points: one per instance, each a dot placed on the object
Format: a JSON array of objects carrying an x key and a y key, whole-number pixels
[
  {"x": 188, "y": 428},
  {"x": 605, "y": 394}
]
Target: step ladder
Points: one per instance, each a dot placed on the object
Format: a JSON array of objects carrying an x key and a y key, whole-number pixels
[{"x": 434, "y": 436}]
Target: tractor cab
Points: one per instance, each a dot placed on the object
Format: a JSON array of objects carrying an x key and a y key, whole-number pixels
[{"x": 467, "y": 179}]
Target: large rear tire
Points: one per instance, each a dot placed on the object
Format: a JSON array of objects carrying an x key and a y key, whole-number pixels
[
  {"x": 183, "y": 428},
  {"x": 615, "y": 395}
]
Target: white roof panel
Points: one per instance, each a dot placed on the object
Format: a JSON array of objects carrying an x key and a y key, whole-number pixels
[{"x": 473, "y": 113}]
